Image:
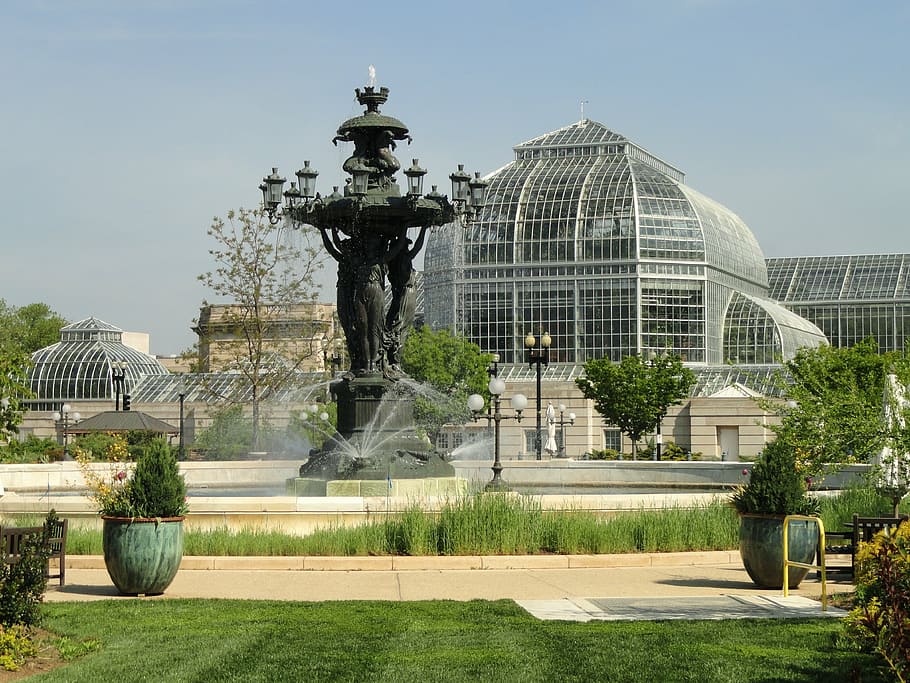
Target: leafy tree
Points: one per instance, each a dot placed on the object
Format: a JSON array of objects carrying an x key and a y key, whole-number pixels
[
  {"x": 13, "y": 389},
  {"x": 261, "y": 277},
  {"x": 454, "y": 367},
  {"x": 635, "y": 393},
  {"x": 229, "y": 436},
  {"x": 28, "y": 328},
  {"x": 832, "y": 410}
]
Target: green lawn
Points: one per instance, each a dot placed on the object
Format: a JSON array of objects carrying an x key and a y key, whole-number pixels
[{"x": 226, "y": 640}]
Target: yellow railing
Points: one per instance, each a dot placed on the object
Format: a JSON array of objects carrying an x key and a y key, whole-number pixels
[{"x": 821, "y": 553}]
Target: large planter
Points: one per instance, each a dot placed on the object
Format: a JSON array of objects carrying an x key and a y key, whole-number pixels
[
  {"x": 142, "y": 555},
  {"x": 761, "y": 546}
]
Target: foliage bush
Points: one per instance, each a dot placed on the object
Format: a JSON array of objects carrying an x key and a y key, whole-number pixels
[
  {"x": 16, "y": 645},
  {"x": 31, "y": 450},
  {"x": 157, "y": 488},
  {"x": 22, "y": 583},
  {"x": 102, "y": 447},
  {"x": 604, "y": 454},
  {"x": 880, "y": 620},
  {"x": 775, "y": 486},
  {"x": 229, "y": 436},
  {"x": 673, "y": 451}
]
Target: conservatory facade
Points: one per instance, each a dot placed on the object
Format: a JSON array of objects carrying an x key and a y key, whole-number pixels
[
  {"x": 848, "y": 297},
  {"x": 587, "y": 236}
]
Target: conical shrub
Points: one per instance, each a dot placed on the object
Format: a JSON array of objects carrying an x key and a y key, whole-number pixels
[{"x": 157, "y": 488}]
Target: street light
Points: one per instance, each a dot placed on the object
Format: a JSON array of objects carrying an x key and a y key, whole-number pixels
[
  {"x": 63, "y": 418},
  {"x": 118, "y": 375},
  {"x": 536, "y": 359},
  {"x": 181, "y": 388},
  {"x": 562, "y": 422},
  {"x": 476, "y": 403}
]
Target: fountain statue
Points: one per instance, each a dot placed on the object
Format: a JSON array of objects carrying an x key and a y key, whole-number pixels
[{"x": 365, "y": 229}]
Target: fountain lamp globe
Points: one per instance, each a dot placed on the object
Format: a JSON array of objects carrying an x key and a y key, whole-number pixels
[
  {"x": 519, "y": 403},
  {"x": 497, "y": 386},
  {"x": 475, "y": 403}
]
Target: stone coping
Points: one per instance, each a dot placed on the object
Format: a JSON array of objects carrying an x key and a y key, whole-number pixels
[{"x": 433, "y": 563}]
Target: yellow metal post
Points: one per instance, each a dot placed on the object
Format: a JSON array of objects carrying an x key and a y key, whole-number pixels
[{"x": 821, "y": 552}]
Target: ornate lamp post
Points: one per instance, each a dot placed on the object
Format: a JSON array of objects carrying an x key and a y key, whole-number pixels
[
  {"x": 538, "y": 357},
  {"x": 181, "y": 388},
  {"x": 64, "y": 417},
  {"x": 561, "y": 423},
  {"x": 118, "y": 375},
  {"x": 365, "y": 229},
  {"x": 475, "y": 403},
  {"x": 653, "y": 357}
]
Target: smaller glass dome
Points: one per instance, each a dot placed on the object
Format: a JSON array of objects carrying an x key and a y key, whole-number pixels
[
  {"x": 761, "y": 331},
  {"x": 78, "y": 367}
]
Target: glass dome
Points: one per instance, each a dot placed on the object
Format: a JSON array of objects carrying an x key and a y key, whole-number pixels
[
  {"x": 588, "y": 236},
  {"x": 78, "y": 367},
  {"x": 761, "y": 331}
]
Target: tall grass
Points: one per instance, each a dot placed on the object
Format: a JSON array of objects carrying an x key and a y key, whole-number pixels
[
  {"x": 835, "y": 511},
  {"x": 485, "y": 524},
  {"x": 479, "y": 524}
]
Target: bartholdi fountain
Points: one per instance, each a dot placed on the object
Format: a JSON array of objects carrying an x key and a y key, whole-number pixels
[{"x": 365, "y": 229}]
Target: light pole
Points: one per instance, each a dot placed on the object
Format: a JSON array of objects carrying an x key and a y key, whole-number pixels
[
  {"x": 475, "y": 403},
  {"x": 562, "y": 422},
  {"x": 653, "y": 357},
  {"x": 536, "y": 359},
  {"x": 181, "y": 396},
  {"x": 118, "y": 375},
  {"x": 64, "y": 417}
]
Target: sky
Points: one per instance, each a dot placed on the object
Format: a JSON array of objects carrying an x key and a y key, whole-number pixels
[{"x": 126, "y": 126}]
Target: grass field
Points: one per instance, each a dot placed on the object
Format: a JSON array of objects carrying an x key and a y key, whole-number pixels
[{"x": 221, "y": 640}]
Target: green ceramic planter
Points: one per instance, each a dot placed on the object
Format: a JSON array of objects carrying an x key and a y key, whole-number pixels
[
  {"x": 761, "y": 546},
  {"x": 142, "y": 555}
]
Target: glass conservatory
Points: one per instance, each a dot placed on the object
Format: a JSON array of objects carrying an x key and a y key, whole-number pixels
[
  {"x": 848, "y": 297},
  {"x": 78, "y": 367},
  {"x": 591, "y": 238}
]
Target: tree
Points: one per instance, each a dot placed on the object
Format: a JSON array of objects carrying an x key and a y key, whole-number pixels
[
  {"x": 28, "y": 328},
  {"x": 13, "y": 388},
  {"x": 832, "y": 410},
  {"x": 454, "y": 367},
  {"x": 635, "y": 393},
  {"x": 262, "y": 278}
]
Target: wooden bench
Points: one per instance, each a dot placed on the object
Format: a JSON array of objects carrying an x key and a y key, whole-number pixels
[
  {"x": 14, "y": 539},
  {"x": 862, "y": 530}
]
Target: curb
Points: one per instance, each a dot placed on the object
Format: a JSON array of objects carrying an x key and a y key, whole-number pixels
[{"x": 388, "y": 563}]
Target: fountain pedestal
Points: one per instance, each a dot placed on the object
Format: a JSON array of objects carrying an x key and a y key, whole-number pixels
[{"x": 376, "y": 438}]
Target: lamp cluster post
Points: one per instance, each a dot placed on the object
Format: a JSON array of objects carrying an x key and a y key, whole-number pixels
[
  {"x": 562, "y": 422},
  {"x": 538, "y": 357},
  {"x": 118, "y": 375},
  {"x": 476, "y": 404},
  {"x": 64, "y": 417},
  {"x": 364, "y": 227},
  {"x": 181, "y": 396},
  {"x": 653, "y": 357}
]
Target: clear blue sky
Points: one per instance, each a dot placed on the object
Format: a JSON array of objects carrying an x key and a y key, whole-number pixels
[{"x": 126, "y": 125}]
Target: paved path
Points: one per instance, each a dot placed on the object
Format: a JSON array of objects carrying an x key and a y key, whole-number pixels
[{"x": 643, "y": 586}]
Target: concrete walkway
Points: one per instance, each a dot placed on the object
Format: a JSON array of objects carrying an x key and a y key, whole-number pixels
[{"x": 705, "y": 585}]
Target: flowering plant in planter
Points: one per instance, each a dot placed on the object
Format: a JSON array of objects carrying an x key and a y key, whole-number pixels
[
  {"x": 153, "y": 488},
  {"x": 777, "y": 487}
]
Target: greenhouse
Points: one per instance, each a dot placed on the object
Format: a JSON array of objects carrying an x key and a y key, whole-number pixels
[{"x": 591, "y": 238}]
